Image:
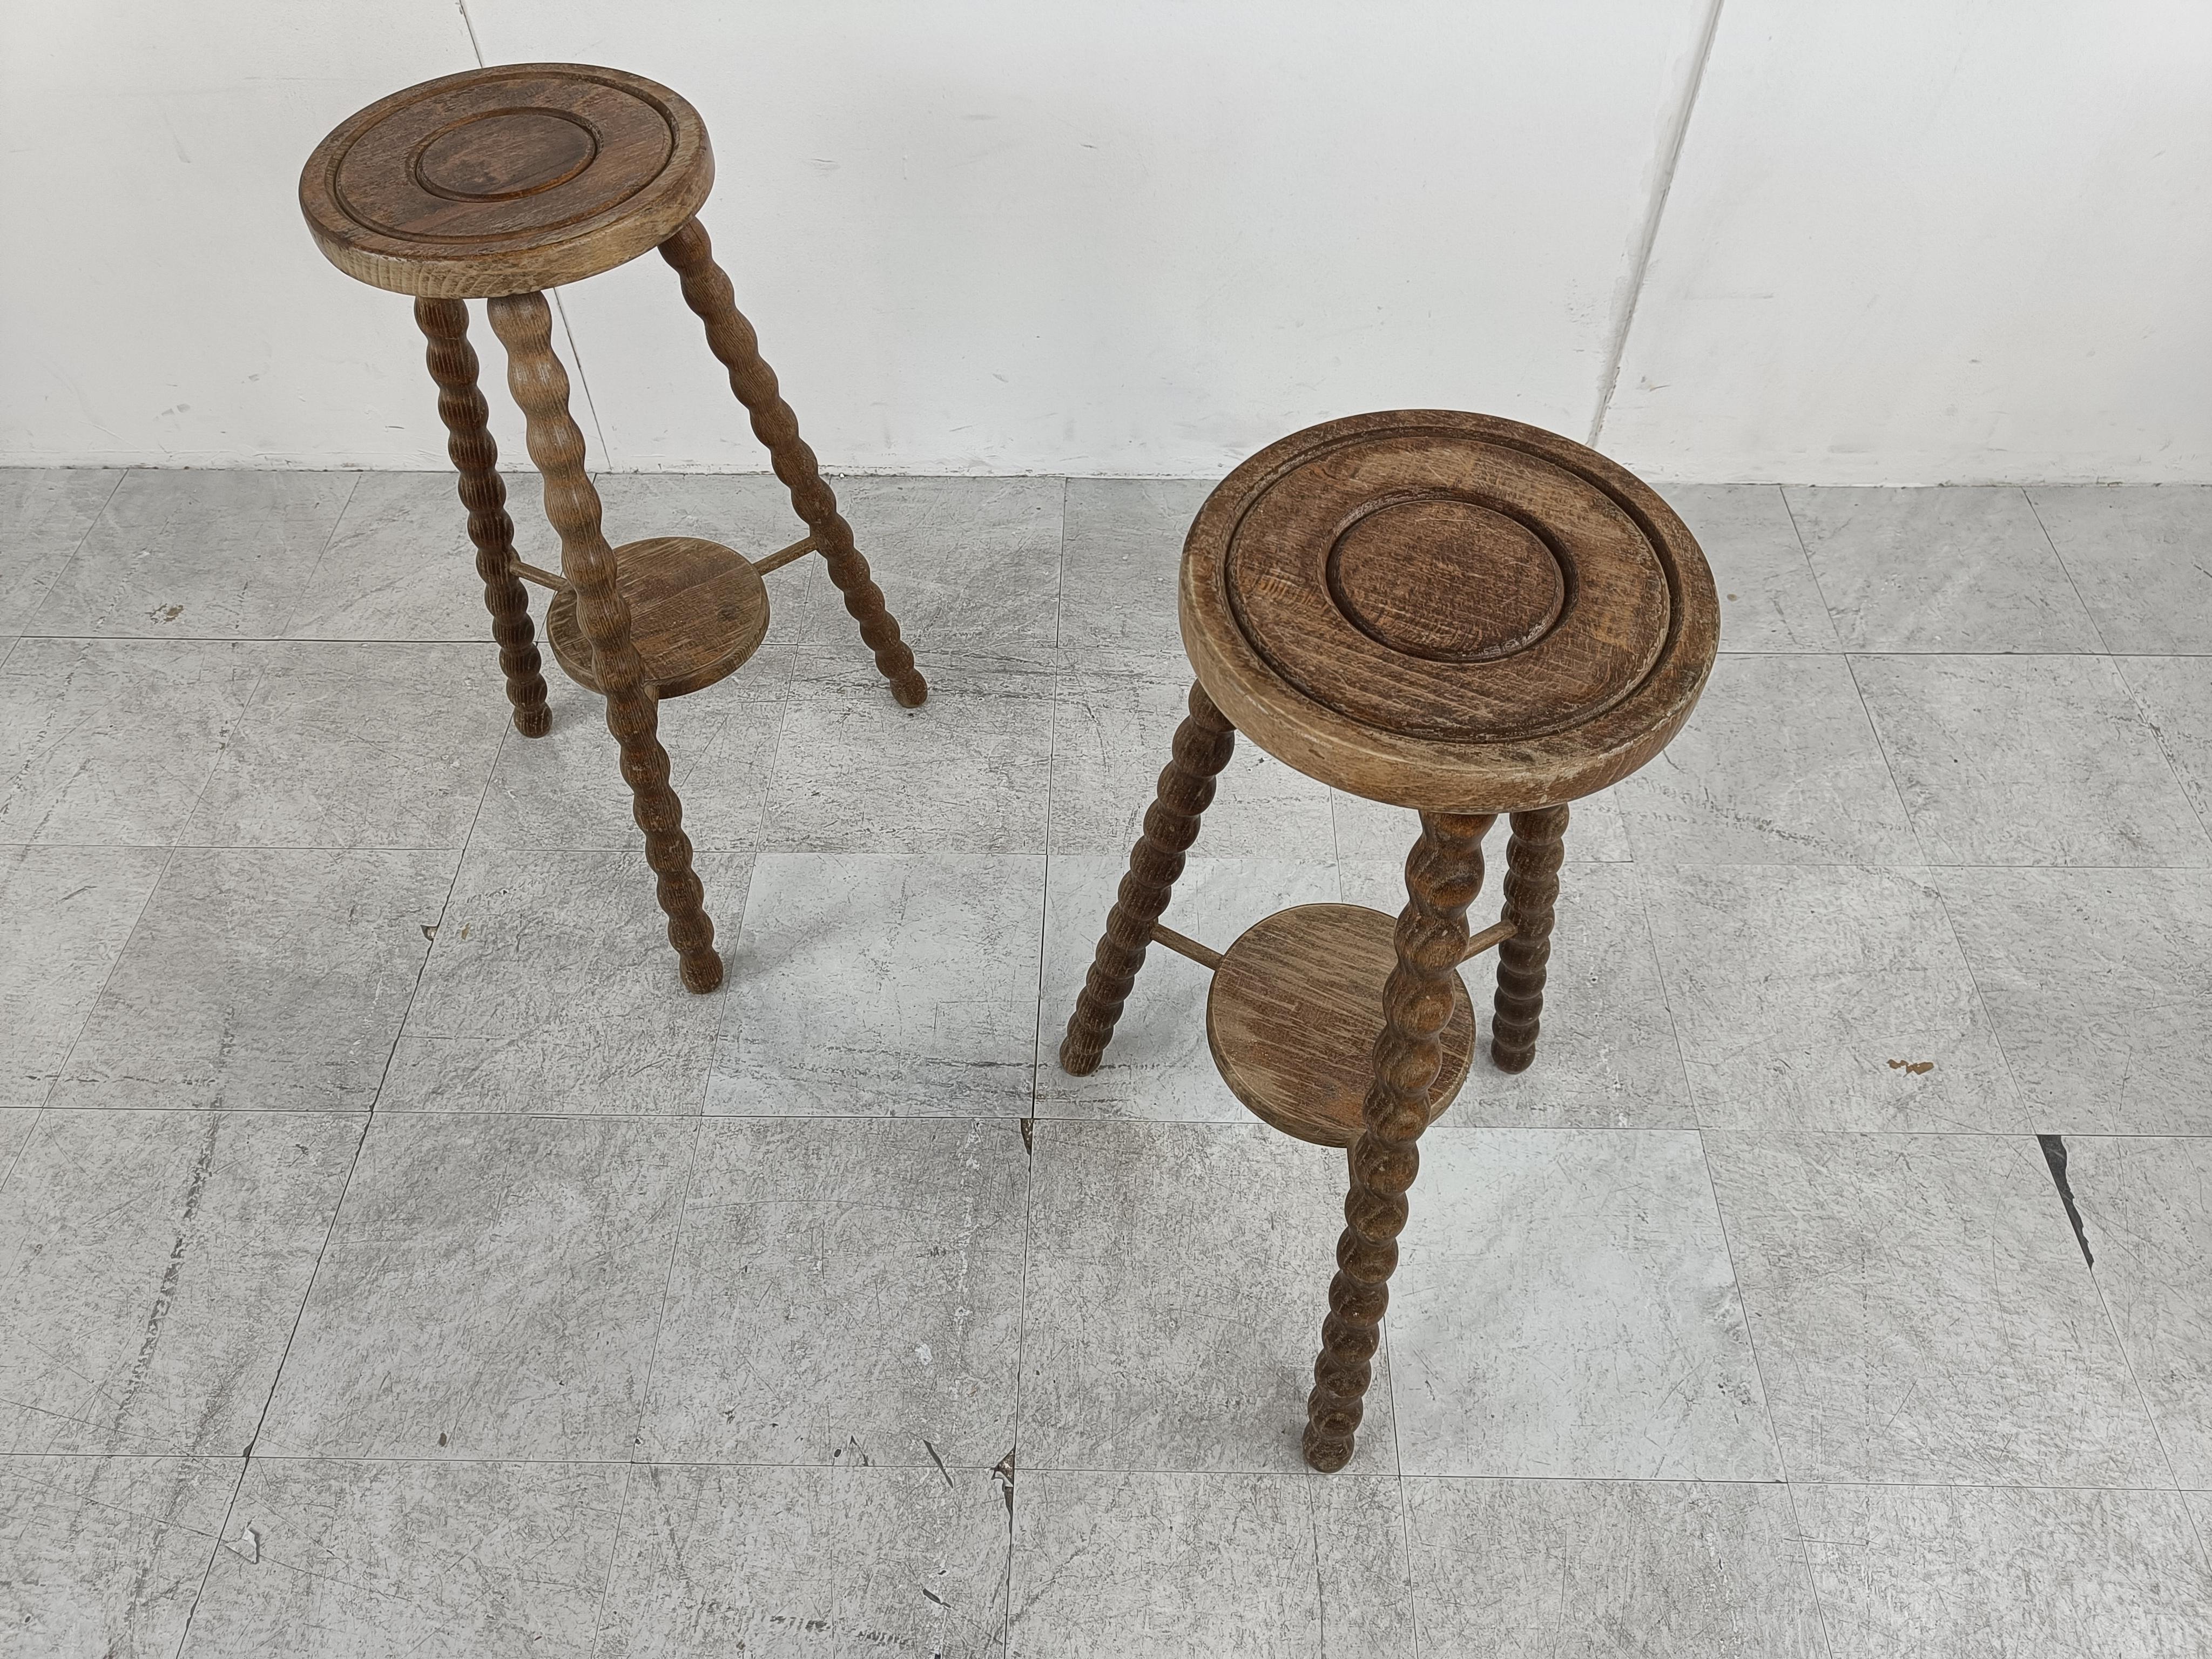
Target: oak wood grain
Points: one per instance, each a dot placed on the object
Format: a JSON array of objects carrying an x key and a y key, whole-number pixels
[
  {"x": 1533, "y": 857},
  {"x": 469, "y": 442},
  {"x": 506, "y": 180},
  {"x": 1203, "y": 744},
  {"x": 707, "y": 290},
  {"x": 1447, "y": 611},
  {"x": 1419, "y": 1000},
  {"x": 524, "y": 323},
  {"x": 1295, "y": 1013},
  {"x": 1436, "y": 609},
  {"x": 698, "y": 611}
]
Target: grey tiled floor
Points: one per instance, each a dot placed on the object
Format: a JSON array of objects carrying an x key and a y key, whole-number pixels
[{"x": 398, "y": 1261}]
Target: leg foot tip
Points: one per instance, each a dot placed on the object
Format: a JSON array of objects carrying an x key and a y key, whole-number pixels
[
  {"x": 1327, "y": 1455},
  {"x": 533, "y": 722},
  {"x": 1077, "y": 1062},
  {"x": 911, "y": 692},
  {"x": 1511, "y": 1060},
  {"x": 703, "y": 973}
]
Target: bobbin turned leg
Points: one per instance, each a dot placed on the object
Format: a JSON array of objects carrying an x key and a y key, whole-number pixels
[
  {"x": 444, "y": 324},
  {"x": 1443, "y": 876},
  {"x": 731, "y": 338},
  {"x": 1203, "y": 744},
  {"x": 524, "y": 325},
  {"x": 1532, "y": 890}
]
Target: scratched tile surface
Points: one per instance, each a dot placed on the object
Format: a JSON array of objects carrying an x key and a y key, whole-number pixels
[{"x": 394, "y": 1259}]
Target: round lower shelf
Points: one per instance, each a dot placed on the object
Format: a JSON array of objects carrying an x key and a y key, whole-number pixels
[
  {"x": 1296, "y": 1008},
  {"x": 697, "y": 610}
]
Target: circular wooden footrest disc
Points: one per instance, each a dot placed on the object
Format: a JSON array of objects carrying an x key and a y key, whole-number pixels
[
  {"x": 697, "y": 610},
  {"x": 1295, "y": 1011}
]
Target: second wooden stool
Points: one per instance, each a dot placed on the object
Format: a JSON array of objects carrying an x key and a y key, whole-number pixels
[
  {"x": 1443, "y": 612},
  {"x": 497, "y": 183}
]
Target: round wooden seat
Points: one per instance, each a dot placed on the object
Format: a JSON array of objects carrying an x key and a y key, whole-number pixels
[
  {"x": 506, "y": 180},
  {"x": 1447, "y": 611}
]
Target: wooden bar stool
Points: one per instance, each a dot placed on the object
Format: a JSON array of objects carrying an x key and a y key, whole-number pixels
[
  {"x": 498, "y": 183},
  {"x": 1445, "y": 612}
]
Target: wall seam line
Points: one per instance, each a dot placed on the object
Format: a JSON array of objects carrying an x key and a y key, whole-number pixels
[
  {"x": 567, "y": 329},
  {"x": 1654, "y": 214}
]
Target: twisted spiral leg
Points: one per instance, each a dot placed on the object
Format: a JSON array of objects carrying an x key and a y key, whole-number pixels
[
  {"x": 1532, "y": 890},
  {"x": 524, "y": 325},
  {"x": 731, "y": 338},
  {"x": 1203, "y": 744},
  {"x": 1443, "y": 876},
  {"x": 444, "y": 324}
]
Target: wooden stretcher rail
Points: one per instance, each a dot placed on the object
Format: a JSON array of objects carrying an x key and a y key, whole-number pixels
[
  {"x": 784, "y": 556},
  {"x": 1497, "y": 934},
  {"x": 1186, "y": 946}
]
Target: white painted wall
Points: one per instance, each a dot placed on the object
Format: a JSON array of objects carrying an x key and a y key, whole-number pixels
[
  {"x": 1904, "y": 242},
  {"x": 1934, "y": 240}
]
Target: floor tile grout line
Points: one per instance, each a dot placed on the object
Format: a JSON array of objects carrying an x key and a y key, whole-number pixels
[
  {"x": 1305, "y": 1477},
  {"x": 1405, "y": 1500},
  {"x": 1031, "y": 1124},
  {"x": 1805, "y": 553},
  {"x": 222, "y": 743},
  {"x": 338, "y": 1209},
  {"x": 90, "y": 1501},
  {"x": 76, "y": 548},
  {"x": 299, "y": 1314},
  {"x": 1667, "y": 1001},
  {"x": 1014, "y": 1121},
  {"x": 92, "y": 1008},
  {"x": 37, "y": 1115},
  {"x": 2021, "y": 1107},
  {"x": 1781, "y": 1458},
  {"x": 667, "y": 1283},
  {"x": 1736, "y": 1277},
  {"x": 614, "y": 1559},
  {"x": 1060, "y": 589},
  {"x": 2166, "y": 750},
  {"x": 1805, "y": 564},
  {"x": 276, "y": 1377},
  {"x": 1889, "y": 766},
  {"x": 306, "y": 587},
  {"x": 645, "y": 1391},
  {"x": 1866, "y": 709},
  {"x": 735, "y": 850},
  {"x": 2096, "y": 628},
  {"x": 453, "y": 885},
  {"x": 1166, "y": 657},
  {"x": 1332, "y": 837},
  {"x": 2143, "y": 1397}
]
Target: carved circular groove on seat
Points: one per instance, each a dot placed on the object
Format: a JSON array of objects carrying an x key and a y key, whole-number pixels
[
  {"x": 1446, "y": 578},
  {"x": 1294, "y": 1013},
  {"x": 698, "y": 611},
  {"x": 506, "y": 154},
  {"x": 1447, "y": 611},
  {"x": 506, "y": 180}
]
